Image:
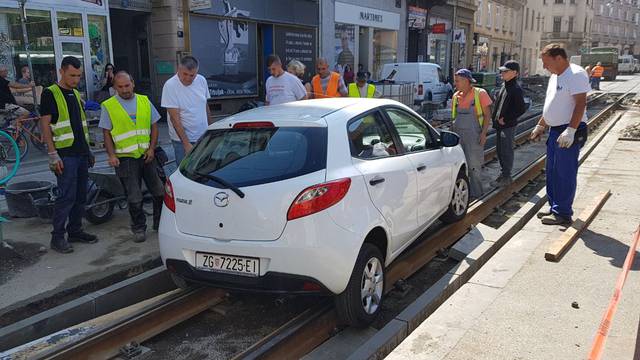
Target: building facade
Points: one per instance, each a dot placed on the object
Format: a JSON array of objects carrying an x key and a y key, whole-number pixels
[
  {"x": 568, "y": 22},
  {"x": 450, "y": 39},
  {"x": 533, "y": 17},
  {"x": 232, "y": 40},
  {"x": 498, "y": 25},
  {"x": 363, "y": 33},
  {"x": 131, "y": 34},
  {"x": 56, "y": 29},
  {"x": 616, "y": 24}
]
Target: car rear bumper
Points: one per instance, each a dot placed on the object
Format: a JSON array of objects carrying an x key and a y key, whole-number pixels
[
  {"x": 271, "y": 282},
  {"x": 310, "y": 250}
]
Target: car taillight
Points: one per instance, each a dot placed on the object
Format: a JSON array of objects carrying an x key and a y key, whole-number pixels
[
  {"x": 420, "y": 89},
  {"x": 318, "y": 197},
  {"x": 253, "y": 124},
  {"x": 169, "y": 200}
]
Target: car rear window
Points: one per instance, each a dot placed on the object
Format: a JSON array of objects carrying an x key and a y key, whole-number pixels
[{"x": 254, "y": 156}]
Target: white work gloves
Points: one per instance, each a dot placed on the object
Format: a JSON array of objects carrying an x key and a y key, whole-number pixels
[
  {"x": 55, "y": 163},
  {"x": 565, "y": 139},
  {"x": 537, "y": 132}
]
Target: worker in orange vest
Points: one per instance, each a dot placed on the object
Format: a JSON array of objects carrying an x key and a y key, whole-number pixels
[
  {"x": 596, "y": 75},
  {"x": 326, "y": 84}
]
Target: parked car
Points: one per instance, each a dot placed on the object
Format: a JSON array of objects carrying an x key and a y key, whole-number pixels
[
  {"x": 431, "y": 85},
  {"x": 316, "y": 196}
]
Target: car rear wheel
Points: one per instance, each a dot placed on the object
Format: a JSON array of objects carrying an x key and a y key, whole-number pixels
[
  {"x": 459, "y": 200},
  {"x": 361, "y": 301}
]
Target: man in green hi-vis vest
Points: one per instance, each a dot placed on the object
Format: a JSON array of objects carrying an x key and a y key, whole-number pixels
[
  {"x": 129, "y": 124},
  {"x": 64, "y": 130}
]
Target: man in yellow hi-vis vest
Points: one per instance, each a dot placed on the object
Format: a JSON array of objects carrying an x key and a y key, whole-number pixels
[
  {"x": 129, "y": 123},
  {"x": 64, "y": 130},
  {"x": 471, "y": 114},
  {"x": 361, "y": 89}
]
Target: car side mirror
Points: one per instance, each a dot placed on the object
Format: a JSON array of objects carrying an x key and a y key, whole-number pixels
[{"x": 449, "y": 139}]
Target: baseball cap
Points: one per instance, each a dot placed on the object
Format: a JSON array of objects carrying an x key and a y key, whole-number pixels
[
  {"x": 466, "y": 73},
  {"x": 361, "y": 76},
  {"x": 510, "y": 65}
]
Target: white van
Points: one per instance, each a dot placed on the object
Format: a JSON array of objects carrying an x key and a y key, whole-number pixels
[
  {"x": 625, "y": 64},
  {"x": 430, "y": 83}
]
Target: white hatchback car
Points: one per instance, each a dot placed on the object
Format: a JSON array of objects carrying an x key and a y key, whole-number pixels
[{"x": 314, "y": 196}]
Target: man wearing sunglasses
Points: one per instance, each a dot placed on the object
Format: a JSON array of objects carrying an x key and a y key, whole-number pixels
[{"x": 509, "y": 107}]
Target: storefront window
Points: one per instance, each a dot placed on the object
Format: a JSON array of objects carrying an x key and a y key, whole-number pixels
[
  {"x": 69, "y": 24},
  {"x": 99, "y": 43},
  {"x": 345, "y": 44},
  {"x": 227, "y": 54},
  {"x": 385, "y": 45},
  {"x": 40, "y": 37}
]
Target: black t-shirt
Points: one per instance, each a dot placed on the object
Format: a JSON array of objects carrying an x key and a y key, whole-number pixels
[
  {"x": 6, "y": 97},
  {"x": 48, "y": 107}
]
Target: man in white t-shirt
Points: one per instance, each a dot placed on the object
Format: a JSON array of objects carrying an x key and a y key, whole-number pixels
[
  {"x": 282, "y": 87},
  {"x": 185, "y": 97},
  {"x": 565, "y": 113}
]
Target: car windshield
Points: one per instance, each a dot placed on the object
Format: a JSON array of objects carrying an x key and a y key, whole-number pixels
[{"x": 254, "y": 156}]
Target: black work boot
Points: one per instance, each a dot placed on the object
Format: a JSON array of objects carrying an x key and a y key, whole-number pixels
[
  {"x": 555, "y": 219},
  {"x": 83, "y": 237},
  {"x": 61, "y": 245},
  {"x": 157, "y": 211}
]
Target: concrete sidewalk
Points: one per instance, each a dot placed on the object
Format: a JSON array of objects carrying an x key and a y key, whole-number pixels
[
  {"x": 519, "y": 306},
  {"x": 32, "y": 272}
]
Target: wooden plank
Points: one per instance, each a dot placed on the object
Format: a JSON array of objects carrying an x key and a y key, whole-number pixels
[{"x": 557, "y": 249}]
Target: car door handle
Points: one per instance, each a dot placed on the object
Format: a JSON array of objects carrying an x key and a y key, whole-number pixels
[
  {"x": 421, "y": 167},
  {"x": 376, "y": 180}
]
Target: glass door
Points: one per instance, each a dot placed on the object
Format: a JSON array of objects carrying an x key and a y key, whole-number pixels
[{"x": 76, "y": 48}]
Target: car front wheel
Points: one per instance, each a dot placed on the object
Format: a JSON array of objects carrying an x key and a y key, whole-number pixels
[
  {"x": 459, "y": 200},
  {"x": 359, "y": 304}
]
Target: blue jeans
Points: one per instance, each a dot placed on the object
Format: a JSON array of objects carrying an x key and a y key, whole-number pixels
[
  {"x": 71, "y": 197},
  {"x": 562, "y": 173},
  {"x": 178, "y": 151},
  {"x": 595, "y": 83}
]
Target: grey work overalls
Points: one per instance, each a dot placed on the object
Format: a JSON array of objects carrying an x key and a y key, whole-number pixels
[{"x": 466, "y": 125}]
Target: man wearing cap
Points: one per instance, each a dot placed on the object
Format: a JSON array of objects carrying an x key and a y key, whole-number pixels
[
  {"x": 510, "y": 106},
  {"x": 361, "y": 89},
  {"x": 470, "y": 106},
  {"x": 565, "y": 113}
]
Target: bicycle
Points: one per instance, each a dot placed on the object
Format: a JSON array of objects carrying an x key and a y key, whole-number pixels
[
  {"x": 21, "y": 132},
  {"x": 7, "y": 144}
]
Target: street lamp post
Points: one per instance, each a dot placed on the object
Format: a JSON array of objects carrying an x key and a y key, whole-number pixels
[{"x": 25, "y": 39}]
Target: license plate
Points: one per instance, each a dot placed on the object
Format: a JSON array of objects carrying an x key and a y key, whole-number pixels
[{"x": 228, "y": 264}]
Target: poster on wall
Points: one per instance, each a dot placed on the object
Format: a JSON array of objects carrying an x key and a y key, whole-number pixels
[
  {"x": 417, "y": 18},
  {"x": 226, "y": 50},
  {"x": 344, "y": 47},
  {"x": 296, "y": 43},
  {"x": 458, "y": 36}
]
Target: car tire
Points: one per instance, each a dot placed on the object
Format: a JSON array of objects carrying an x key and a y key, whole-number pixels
[
  {"x": 352, "y": 308},
  {"x": 180, "y": 282},
  {"x": 459, "y": 203}
]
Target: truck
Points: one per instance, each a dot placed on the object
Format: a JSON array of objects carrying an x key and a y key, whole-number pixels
[{"x": 607, "y": 56}]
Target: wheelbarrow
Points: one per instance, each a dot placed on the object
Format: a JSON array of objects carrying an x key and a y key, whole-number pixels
[{"x": 106, "y": 190}]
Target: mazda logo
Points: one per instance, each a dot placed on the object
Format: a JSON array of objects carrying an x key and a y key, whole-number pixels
[{"x": 221, "y": 199}]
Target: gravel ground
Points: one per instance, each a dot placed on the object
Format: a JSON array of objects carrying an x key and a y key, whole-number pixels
[
  {"x": 15, "y": 256},
  {"x": 632, "y": 131}
]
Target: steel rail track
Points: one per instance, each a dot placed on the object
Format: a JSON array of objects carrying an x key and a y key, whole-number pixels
[{"x": 311, "y": 328}]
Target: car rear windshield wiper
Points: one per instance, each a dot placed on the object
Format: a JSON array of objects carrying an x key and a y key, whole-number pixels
[{"x": 223, "y": 182}]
